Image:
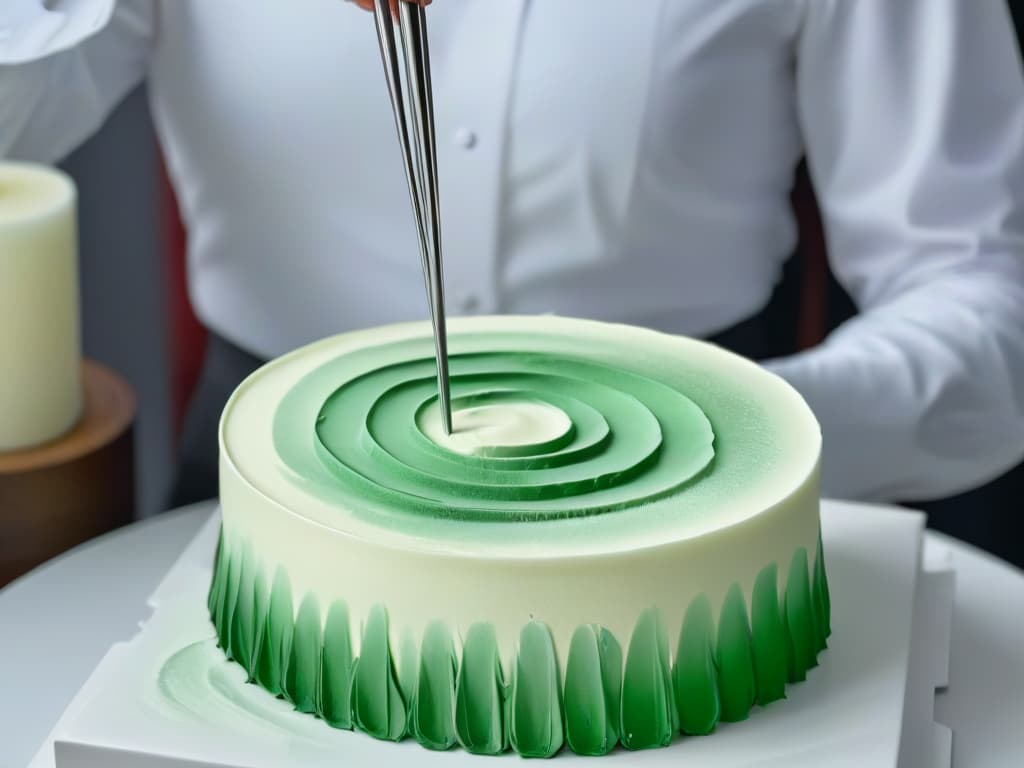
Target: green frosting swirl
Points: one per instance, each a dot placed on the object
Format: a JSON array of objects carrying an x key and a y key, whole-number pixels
[{"x": 629, "y": 439}]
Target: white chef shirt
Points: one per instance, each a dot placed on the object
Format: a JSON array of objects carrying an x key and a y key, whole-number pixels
[{"x": 613, "y": 159}]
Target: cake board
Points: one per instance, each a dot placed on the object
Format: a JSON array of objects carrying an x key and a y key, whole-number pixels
[{"x": 168, "y": 698}]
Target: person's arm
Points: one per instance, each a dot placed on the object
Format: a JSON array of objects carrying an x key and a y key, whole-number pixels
[
  {"x": 62, "y": 71},
  {"x": 913, "y": 115}
]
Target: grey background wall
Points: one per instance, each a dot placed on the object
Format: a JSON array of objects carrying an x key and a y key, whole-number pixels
[{"x": 123, "y": 308}]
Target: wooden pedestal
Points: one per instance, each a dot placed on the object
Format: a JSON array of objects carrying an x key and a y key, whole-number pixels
[{"x": 57, "y": 495}]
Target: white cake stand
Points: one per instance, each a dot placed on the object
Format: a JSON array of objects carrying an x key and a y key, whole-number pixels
[{"x": 870, "y": 703}]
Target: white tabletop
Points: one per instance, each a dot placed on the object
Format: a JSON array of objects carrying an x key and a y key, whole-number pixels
[{"x": 58, "y": 621}]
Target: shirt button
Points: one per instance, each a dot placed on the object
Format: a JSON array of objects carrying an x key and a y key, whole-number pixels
[
  {"x": 465, "y": 138},
  {"x": 469, "y": 303}
]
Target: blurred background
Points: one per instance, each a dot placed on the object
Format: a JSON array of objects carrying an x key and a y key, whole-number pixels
[{"x": 136, "y": 317}]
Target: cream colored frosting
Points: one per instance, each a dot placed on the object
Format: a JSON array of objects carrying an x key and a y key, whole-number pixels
[{"x": 488, "y": 429}]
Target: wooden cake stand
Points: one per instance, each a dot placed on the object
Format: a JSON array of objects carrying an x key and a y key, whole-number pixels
[{"x": 59, "y": 494}]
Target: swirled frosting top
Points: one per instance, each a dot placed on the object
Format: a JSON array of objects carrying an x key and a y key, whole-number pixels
[{"x": 603, "y": 436}]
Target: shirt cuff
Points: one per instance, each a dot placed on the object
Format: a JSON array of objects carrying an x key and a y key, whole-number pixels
[{"x": 29, "y": 31}]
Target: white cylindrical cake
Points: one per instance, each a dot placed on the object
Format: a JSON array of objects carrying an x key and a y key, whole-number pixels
[
  {"x": 619, "y": 542},
  {"x": 40, "y": 351}
]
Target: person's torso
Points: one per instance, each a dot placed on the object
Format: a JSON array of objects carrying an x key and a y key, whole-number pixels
[{"x": 619, "y": 160}]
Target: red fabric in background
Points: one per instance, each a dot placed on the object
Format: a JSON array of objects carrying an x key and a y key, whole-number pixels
[
  {"x": 186, "y": 336},
  {"x": 813, "y": 321}
]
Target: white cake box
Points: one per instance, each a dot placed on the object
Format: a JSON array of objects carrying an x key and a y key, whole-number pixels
[{"x": 870, "y": 703}]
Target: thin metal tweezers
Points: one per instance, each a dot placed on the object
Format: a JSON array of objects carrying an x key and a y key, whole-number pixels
[{"x": 421, "y": 164}]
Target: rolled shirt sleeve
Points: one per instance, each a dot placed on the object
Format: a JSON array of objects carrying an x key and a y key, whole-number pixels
[
  {"x": 913, "y": 116},
  {"x": 63, "y": 67}
]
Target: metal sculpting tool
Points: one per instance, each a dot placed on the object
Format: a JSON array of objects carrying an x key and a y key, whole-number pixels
[{"x": 414, "y": 119}]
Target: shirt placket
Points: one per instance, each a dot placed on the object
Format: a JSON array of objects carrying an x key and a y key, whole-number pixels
[{"x": 472, "y": 116}]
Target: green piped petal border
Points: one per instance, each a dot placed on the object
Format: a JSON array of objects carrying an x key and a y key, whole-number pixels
[
  {"x": 378, "y": 706},
  {"x": 432, "y": 714},
  {"x": 337, "y": 669},
  {"x": 448, "y": 695},
  {"x": 768, "y": 630},
  {"x": 737, "y": 689},
  {"x": 275, "y": 642},
  {"x": 302, "y": 675},
  {"x": 536, "y": 727},
  {"x": 481, "y": 719},
  {"x": 649, "y": 717},
  {"x": 694, "y": 675},
  {"x": 593, "y": 691}
]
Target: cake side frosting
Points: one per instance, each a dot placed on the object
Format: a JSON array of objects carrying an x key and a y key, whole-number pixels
[{"x": 627, "y": 547}]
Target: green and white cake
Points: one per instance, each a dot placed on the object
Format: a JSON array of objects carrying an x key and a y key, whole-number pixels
[{"x": 619, "y": 542}]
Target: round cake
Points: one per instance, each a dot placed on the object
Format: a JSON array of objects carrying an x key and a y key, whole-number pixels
[{"x": 618, "y": 543}]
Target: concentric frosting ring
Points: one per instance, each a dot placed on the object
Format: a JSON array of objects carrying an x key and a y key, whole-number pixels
[
  {"x": 670, "y": 438},
  {"x": 629, "y": 439}
]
